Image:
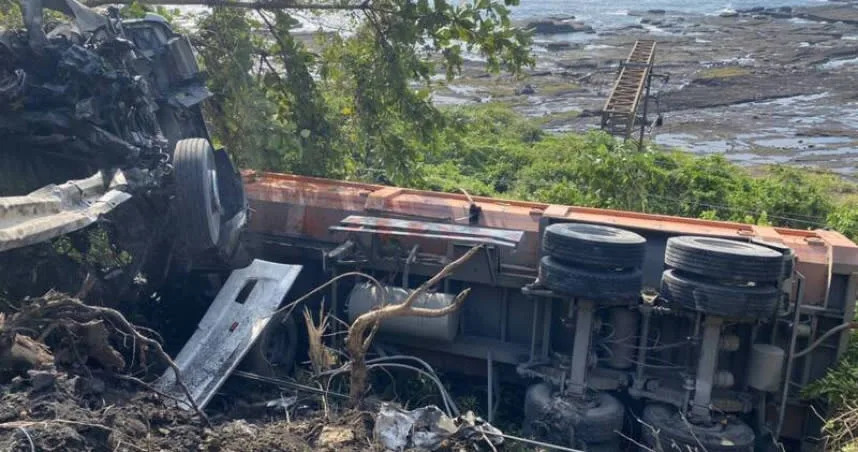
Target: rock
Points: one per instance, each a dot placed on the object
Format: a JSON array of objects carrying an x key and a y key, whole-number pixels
[
  {"x": 549, "y": 27},
  {"x": 525, "y": 90},
  {"x": 779, "y": 15},
  {"x": 90, "y": 386},
  {"x": 561, "y": 17},
  {"x": 335, "y": 435},
  {"x": 558, "y": 45},
  {"x": 41, "y": 379},
  {"x": 656, "y": 11}
]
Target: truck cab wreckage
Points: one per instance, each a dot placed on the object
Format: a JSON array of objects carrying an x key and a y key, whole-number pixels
[{"x": 677, "y": 333}]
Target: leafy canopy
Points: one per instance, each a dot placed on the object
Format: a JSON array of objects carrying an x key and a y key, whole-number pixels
[{"x": 353, "y": 103}]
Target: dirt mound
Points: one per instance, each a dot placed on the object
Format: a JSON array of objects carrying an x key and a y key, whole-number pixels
[
  {"x": 54, "y": 411},
  {"x": 72, "y": 379}
]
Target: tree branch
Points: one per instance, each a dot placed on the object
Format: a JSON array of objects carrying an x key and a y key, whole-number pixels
[
  {"x": 270, "y": 5},
  {"x": 358, "y": 341},
  {"x": 440, "y": 312}
]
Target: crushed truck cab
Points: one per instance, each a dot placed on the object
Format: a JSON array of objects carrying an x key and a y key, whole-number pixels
[{"x": 112, "y": 107}]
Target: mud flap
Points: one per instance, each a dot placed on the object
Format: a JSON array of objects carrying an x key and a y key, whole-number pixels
[{"x": 234, "y": 321}]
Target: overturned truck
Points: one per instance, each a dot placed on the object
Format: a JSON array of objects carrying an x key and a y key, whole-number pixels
[
  {"x": 685, "y": 334},
  {"x": 624, "y": 328}
]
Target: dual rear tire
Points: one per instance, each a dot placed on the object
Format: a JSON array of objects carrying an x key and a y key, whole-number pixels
[
  {"x": 722, "y": 277},
  {"x": 592, "y": 261}
]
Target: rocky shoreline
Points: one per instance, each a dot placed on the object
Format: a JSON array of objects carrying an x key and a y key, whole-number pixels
[{"x": 759, "y": 85}]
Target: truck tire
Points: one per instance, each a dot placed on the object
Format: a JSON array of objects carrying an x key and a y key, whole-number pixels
[
  {"x": 665, "y": 430},
  {"x": 600, "y": 420},
  {"x": 197, "y": 203},
  {"x": 590, "y": 244},
  {"x": 602, "y": 284},
  {"x": 741, "y": 302},
  {"x": 717, "y": 258},
  {"x": 608, "y": 446},
  {"x": 273, "y": 354},
  {"x": 552, "y": 417}
]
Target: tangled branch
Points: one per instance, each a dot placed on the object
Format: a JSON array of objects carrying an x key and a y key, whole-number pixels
[{"x": 54, "y": 308}]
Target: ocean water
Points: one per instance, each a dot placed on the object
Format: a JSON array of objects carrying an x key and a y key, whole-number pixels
[
  {"x": 600, "y": 14},
  {"x": 609, "y": 14}
]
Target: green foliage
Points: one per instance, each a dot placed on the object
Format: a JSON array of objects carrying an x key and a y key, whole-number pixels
[
  {"x": 92, "y": 248},
  {"x": 137, "y": 10},
  {"x": 10, "y": 14},
  {"x": 359, "y": 107},
  {"x": 243, "y": 117},
  {"x": 489, "y": 150},
  {"x": 845, "y": 219},
  {"x": 300, "y": 104}
]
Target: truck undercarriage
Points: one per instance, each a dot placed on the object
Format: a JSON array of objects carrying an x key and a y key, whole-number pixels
[{"x": 703, "y": 332}]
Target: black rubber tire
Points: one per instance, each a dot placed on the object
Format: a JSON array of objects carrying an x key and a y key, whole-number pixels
[
  {"x": 590, "y": 244},
  {"x": 593, "y": 284},
  {"x": 273, "y": 354},
  {"x": 197, "y": 204},
  {"x": 717, "y": 258},
  {"x": 601, "y": 420},
  {"x": 553, "y": 418},
  {"x": 741, "y": 302},
  {"x": 608, "y": 446},
  {"x": 674, "y": 433},
  {"x": 787, "y": 255}
]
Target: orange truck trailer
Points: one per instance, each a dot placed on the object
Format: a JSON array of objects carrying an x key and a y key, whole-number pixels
[{"x": 671, "y": 331}]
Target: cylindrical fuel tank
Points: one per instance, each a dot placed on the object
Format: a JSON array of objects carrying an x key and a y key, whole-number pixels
[
  {"x": 364, "y": 297},
  {"x": 766, "y": 367}
]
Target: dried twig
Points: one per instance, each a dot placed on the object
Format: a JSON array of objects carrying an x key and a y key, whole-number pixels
[
  {"x": 29, "y": 438},
  {"x": 320, "y": 358}
]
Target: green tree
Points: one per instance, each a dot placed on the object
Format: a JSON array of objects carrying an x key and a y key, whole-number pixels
[
  {"x": 10, "y": 14},
  {"x": 359, "y": 106}
]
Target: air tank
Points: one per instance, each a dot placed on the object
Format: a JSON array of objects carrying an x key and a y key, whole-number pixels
[
  {"x": 765, "y": 370},
  {"x": 366, "y": 296}
]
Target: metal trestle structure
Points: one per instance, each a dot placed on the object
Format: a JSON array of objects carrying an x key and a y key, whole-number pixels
[{"x": 630, "y": 91}]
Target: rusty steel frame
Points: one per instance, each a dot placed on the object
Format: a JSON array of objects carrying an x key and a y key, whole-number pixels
[
  {"x": 429, "y": 230},
  {"x": 629, "y": 91}
]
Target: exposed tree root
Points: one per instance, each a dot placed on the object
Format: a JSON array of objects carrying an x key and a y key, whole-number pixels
[{"x": 87, "y": 326}]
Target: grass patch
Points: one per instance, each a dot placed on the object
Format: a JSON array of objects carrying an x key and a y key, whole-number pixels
[
  {"x": 723, "y": 72},
  {"x": 559, "y": 116}
]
